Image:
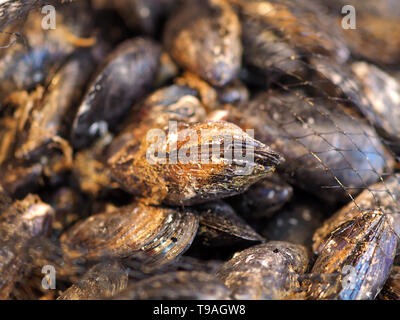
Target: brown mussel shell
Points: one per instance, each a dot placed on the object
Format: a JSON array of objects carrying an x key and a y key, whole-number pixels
[
  {"x": 296, "y": 222},
  {"x": 362, "y": 250},
  {"x": 160, "y": 233},
  {"x": 266, "y": 271},
  {"x": 203, "y": 36},
  {"x": 325, "y": 148},
  {"x": 220, "y": 225},
  {"x": 263, "y": 198},
  {"x": 382, "y": 195},
  {"x": 111, "y": 93},
  {"x": 104, "y": 280},
  {"x": 163, "y": 178},
  {"x": 31, "y": 54},
  {"x": 20, "y": 223},
  {"x": 182, "y": 285},
  {"x": 391, "y": 289}
]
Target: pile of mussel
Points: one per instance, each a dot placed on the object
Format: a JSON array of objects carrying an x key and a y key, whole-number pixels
[{"x": 313, "y": 213}]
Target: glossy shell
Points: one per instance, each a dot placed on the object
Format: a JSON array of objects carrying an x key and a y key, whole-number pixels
[
  {"x": 266, "y": 271},
  {"x": 160, "y": 233},
  {"x": 325, "y": 149},
  {"x": 216, "y": 60},
  {"x": 201, "y": 179},
  {"x": 179, "y": 285},
  {"x": 263, "y": 198},
  {"x": 20, "y": 223},
  {"x": 382, "y": 195},
  {"x": 362, "y": 250},
  {"x": 104, "y": 280},
  {"x": 111, "y": 93},
  {"x": 220, "y": 225}
]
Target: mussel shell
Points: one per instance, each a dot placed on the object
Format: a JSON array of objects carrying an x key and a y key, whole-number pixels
[
  {"x": 30, "y": 62},
  {"x": 172, "y": 103},
  {"x": 376, "y": 39},
  {"x": 166, "y": 71},
  {"x": 111, "y": 93},
  {"x": 179, "y": 285},
  {"x": 12, "y": 10},
  {"x": 160, "y": 233},
  {"x": 216, "y": 60},
  {"x": 366, "y": 247},
  {"x": 367, "y": 90},
  {"x": 233, "y": 93},
  {"x": 382, "y": 8},
  {"x": 145, "y": 15},
  {"x": 266, "y": 271},
  {"x": 207, "y": 93},
  {"x": 383, "y": 91},
  {"x": 328, "y": 152},
  {"x": 290, "y": 30},
  {"x": 104, "y": 280},
  {"x": 266, "y": 52},
  {"x": 20, "y": 223},
  {"x": 336, "y": 81},
  {"x": 391, "y": 289},
  {"x": 212, "y": 98},
  {"x": 19, "y": 176},
  {"x": 263, "y": 198},
  {"x": 19, "y": 179},
  {"x": 30, "y": 215},
  {"x": 138, "y": 270},
  {"x": 377, "y": 29},
  {"x": 186, "y": 263},
  {"x": 382, "y": 196},
  {"x": 220, "y": 225},
  {"x": 52, "y": 116},
  {"x": 205, "y": 178},
  {"x": 296, "y": 222}
]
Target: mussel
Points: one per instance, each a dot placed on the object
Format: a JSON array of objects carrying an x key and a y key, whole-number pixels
[
  {"x": 20, "y": 222},
  {"x": 177, "y": 285},
  {"x": 204, "y": 37},
  {"x": 110, "y": 95},
  {"x": 266, "y": 271},
  {"x": 160, "y": 233},
  {"x": 190, "y": 164},
  {"x": 327, "y": 151}
]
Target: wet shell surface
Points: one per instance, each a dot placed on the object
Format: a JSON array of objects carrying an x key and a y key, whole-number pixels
[
  {"x": 104, "y": 280},
  {"x": 199, "y": 149},
  {"x": 362, "y": 250},
  {"x": 220, "y": 224},
  {"x": 266, "y": 271},
  {"x": 178, "y": 285},
  {"x": 153, "y": 169},
  {"x": 110, "y": 95},
  {"x": 20, "y": 222},
  {"x": 324, "y": 147},
  {"x": 161, "y": 233},
  {"x": 204, "y": 37}
]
